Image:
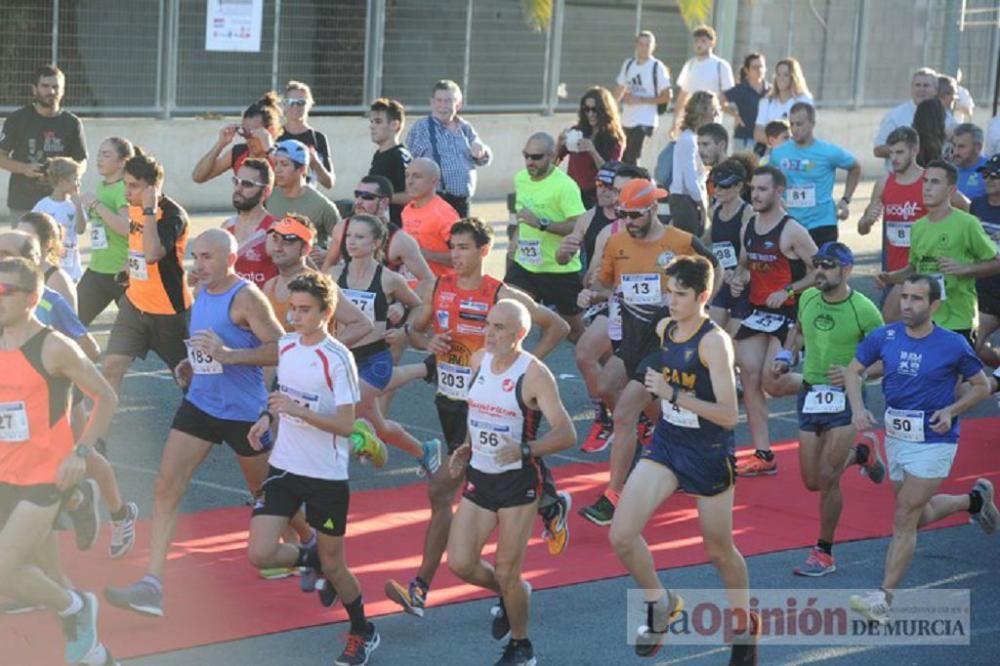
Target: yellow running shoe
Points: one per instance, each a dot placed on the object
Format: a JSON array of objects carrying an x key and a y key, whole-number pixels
[
  {"x": 277, "y": 573},
  {"x": 367, "y": 445}
]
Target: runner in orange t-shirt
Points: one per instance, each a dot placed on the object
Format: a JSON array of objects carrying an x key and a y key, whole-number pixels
[{"x": 428, "y": 217}]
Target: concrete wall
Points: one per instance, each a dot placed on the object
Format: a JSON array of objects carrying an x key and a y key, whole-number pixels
[{"x": 179, "y": 143}]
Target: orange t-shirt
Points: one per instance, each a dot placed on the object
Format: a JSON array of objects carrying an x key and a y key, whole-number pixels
[
  {"x": 630, "y": 264},
  {"x": 431, "y": 225},
  {"x": 159, "y": 287}
]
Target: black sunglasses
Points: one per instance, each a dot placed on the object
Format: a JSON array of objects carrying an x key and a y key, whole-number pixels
[
  {"x": 630, "y": 214},
  {"x": 534, "y": 157},
  {"x": 590, "y": 109},
  {"x": 367, "y": 196},
  {"x": 825, "y": 264},
  {"x": 246, "y": 182},
  {"x": 288, "y": 238}
]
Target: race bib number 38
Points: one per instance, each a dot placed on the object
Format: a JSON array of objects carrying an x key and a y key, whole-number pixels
[
  {"x": 14, "y": 422},
  {"x": 725, "y": 253}
]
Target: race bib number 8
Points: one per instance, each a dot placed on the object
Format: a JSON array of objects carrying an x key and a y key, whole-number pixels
[
  {"x": 641, "y": 289},
  {"x": 14, "y": 422},
  {"x": 137, "y": 268},
  {"x": 824, "y": 399},
  {"x": 898, "y": 233},
  {"x": 725, "y": 253},
  {"x": 530, "y": 252},
  {"x": 454, "y": 380},
  {"x": 202, "y": 363},
  {"x": 905, "y": 424},
  {"x": 765, "y": 322}
]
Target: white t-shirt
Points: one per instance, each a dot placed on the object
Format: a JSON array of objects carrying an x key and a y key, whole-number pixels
[
  {"x": 771, "y": 108},
  {"x": 689, "y": 171},
  {"x": 899, "y": 116},
  {"x": 638, "y": 80},
  {"x": 713, "y": 74},
  {"x": 992, "y": 146},
  {"x": 64, "y": 212},
  {"x": 321, "y": 377}
]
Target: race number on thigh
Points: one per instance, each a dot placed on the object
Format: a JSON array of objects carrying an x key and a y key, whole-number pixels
[
  {"x": 529, "y": 252},
  {"x": 641, "y": 288},
  {"x": 454, "y": 380},
  {"x": 678, "y": 416},
  {"x": 202, "y": 363},
  {"x": 765, "y": 322},
  {"x": 824, "y": 399},
  {"x": 725, "y": 253},
  {"x": 14, "y": 422},
  {"x": 905, "y": 424}
]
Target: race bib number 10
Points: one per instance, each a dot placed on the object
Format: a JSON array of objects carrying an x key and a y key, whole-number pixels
[{"x": 823, "y": 399}]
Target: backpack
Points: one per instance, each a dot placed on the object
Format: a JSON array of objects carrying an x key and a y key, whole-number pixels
[{"x": 660, "y": 108}]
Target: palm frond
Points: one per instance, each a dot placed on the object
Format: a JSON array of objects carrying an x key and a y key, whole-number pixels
[
  {"x": 538, "y": 13},
  {"x": 695, "y": 11}
]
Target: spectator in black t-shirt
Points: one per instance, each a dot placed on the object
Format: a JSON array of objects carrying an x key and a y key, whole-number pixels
[
  {"x": 385, "y": 124},
  {"x": 259, "y": 127},
  {"x": 34, "y": 134},
  {"x": 297, "y": 102},
  {"x": 744, "y": 101}
]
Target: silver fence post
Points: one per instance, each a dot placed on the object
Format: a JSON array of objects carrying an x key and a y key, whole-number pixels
[
  {"x": 954, "y": 19},
  {"x": 860, "y": 55},
  {"x": 275, "y": 44},
  {"x": 55, "y": 32},
  {"x": 554, "y": 53},
  {"x": 638, "y": 17},
  {"x": 374, "y": 42},
  {"x": 158, "y": 92},
  {"x": 171, "y": 44},
  {"x": 468, "y": 47}
]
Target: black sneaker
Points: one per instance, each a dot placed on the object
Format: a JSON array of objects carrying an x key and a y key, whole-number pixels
[
  {"x": 500, "y": 628},
  {"x": 86, "y": 516},
  {"x": 601, "y": 512},
  {"x": 649, "y": 639},
  {"x": 744, "y": 652},
  {"x": 518, "y": 653},
  {"x": 359, "y": 648},
  {"x": 326, "y": 592}
]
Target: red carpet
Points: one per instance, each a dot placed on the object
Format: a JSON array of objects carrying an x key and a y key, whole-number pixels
[{"x": 214, "y": 595}]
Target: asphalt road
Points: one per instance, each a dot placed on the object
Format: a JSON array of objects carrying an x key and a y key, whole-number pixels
[{"x": 579, "y": 624}]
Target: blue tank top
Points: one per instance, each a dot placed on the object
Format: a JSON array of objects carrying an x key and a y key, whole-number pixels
[
  {"x": 682, "y": 365},
  {"x": 231, "y": 392}
]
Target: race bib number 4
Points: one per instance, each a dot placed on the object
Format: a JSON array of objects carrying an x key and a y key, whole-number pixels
[
  {"x": 137, "y": 268},
  {"x": 98, "y": 237},
  {"x": 823, "y": 399},
  {"x": 725, "y": 253},
  {"x": 898, "y": 233},
  {"x": 454, "y": 380},
  {"x": 14, "y": 422},
  {"x": 803, "y": 196},
  {"x": 678, "y": 416},
  {"x": 529, "y": 252},
  {"x": 641, "y": 289},
  {"x": 364, "y": 300},
  {"x": 202, "y": 363},
  {"x": 765, "y": 322},
  {"x": 905, "y": 424}
]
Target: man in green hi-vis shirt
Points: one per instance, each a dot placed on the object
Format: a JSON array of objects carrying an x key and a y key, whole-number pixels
[
  {"x": 548, "y": 203},
  {"x": 952, "y": 246}
]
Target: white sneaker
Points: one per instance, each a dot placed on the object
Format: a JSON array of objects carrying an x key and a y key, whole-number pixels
[{"x": 873, "y": 606}]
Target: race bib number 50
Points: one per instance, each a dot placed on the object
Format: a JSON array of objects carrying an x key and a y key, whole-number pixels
[{"x": 905, "y": 424}]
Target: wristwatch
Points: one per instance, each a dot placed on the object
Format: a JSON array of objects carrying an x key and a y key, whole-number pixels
[
  {"x": 149, "y": 211},
  {"x": 544, "y": 223},
  {"x": 81, "y": 451},
  {"x": 525, "y": 451}
]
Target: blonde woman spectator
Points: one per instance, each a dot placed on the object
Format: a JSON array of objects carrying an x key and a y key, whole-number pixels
[
  {"x": 789, "y": 89},
  {"x": 297, "y": 102}
]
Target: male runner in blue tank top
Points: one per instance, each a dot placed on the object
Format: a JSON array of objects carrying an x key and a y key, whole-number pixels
[
  {"x": 923, "y": 362},
  {"x": 233, "y": 333},
  {"x": 692, "y": 450}
]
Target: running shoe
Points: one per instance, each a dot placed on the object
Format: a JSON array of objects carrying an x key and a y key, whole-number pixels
[
  {"x": 327, "y": 593},
  {"x": 988, "y": 516},
  {"x": 873, "y": 606},
  {"x": 644, "y": 431},
  {"x": 99, "y": 656},
  {"x": 500, "y": 627},
  {"x": 86, "y": 517},
  {"x": 649, "y": 639},
  {"x": 556, "y": 532},
  {"x": 819, "y": 563},
  {"x": 744, "y": 652},
  {"x": 359, "y": 647},
  {"x": 141, "y": 597},
  {"x": 755, "y": 465},
  {"x": 80, "y": 629},
  {"x": 518, "y": 653},
  {"x": 412, "y": 598},
  {"x": 601, "y": 512},
  {"x": 430, "y": 461},
  {"x": 874, "y": 466},
  {"x": 308, "y": 579},
  {"x": 367, "y": 445},
  {"x": 123, "y": 532},
  {"x": 599, "y": 438},
  {"x": 277, "y": 573}
]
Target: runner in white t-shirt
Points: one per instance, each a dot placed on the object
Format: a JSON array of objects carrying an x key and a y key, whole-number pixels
[
  {"x": 643, "y": 84},
  {"x": 705, "y": 71}
]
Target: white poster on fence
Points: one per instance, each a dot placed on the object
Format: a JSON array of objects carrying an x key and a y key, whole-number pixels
[{"x": 233, "y": 25}]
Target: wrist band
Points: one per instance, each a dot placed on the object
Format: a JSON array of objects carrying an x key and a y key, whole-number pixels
[{"x": 784, "y": 356}]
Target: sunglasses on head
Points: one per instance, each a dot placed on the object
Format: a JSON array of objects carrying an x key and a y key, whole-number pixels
[
  {"x": 288, "y": 238},
  {"x": 246, "y": 182},
  {"x": 367, "y": 196},
  {"x": 630, "y": 214},
  {"x": 6, "y": 289},
  {"x": 534, "y": 157},
  {"x": 291, "y": 101},
  {"x": 826, "y": 264}
]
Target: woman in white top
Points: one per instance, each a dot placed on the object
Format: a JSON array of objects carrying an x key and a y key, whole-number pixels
[
  {"x": 49, "y": 234},
  {"x": 688, "y": 191},
  {"x": 789, "y": 87}
]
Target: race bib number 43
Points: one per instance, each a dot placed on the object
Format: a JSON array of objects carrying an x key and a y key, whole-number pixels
[
  {"x": 14, "y": 422},
  {"x": 765, "y": 322}
]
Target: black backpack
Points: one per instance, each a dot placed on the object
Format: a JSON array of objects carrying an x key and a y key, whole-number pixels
[{"x": 660, "y": 108}]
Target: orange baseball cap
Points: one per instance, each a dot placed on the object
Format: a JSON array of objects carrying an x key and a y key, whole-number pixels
[
  {"x": 289, "y": 226},
  {"x": 640, "y": 193}
]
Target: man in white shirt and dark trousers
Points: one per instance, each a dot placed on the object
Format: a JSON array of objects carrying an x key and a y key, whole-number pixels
[
  {"x": 923, "y": 85},
  {"x": 644, "y": 88},
  {"x": 705, "y": 71}
]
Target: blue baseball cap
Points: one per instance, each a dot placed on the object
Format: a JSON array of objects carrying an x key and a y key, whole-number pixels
[
  {"x": 835, "y": 251},
  {"x": 606, "y": 174},
  {"x": 296, "y": 151}
]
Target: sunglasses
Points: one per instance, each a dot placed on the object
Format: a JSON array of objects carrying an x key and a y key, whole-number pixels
[
  {"x": 825, "y": 264},
  {"x": 288, "y": 238},
  {"x": 590, "y": 109},
  {"x": 7, "y": 289},
  {"x": 630, "y": 214},
  {"x": 601, "y": 185},
  {"x": 534, "y": 157},
  {"x": 246, "y": 182},
  {"x": 367, "y": 196},
  {"x": 289, "y": 101}
]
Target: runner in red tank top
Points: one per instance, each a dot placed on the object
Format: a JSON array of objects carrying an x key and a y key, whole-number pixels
[
  {"x": 39, "y": 461},
  {"x": 772, "y": 241},
  {"x": 251, "y": 186}
]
